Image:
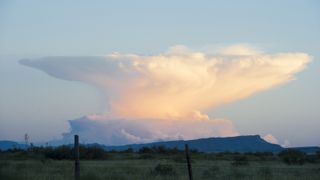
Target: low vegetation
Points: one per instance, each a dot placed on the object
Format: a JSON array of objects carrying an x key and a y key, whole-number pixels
[{"x": 47, "y": 163}]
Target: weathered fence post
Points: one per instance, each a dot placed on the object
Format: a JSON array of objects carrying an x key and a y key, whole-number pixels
[
  {"x": 76, "y": 158},
  {"x": 188, "y": 162}
]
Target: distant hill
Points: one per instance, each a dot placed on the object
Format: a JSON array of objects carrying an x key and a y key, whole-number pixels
[
  {"x": 308, "y": 150},
  {"x": 252, "y": 143},
  {"x": 5, "y": 145}
]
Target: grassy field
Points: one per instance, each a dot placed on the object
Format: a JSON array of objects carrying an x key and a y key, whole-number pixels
[{"x": 139, "y": 167}]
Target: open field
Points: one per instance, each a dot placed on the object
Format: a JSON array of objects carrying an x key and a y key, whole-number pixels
[{"x": 131, "y": 166}]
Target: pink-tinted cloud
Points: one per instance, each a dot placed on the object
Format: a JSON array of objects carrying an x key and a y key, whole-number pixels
[
  {"x": 271, "y": 139},
  {"x": 173, "y": 89}
]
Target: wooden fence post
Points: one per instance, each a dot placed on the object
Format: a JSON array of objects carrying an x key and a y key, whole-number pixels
[
  {"x": 76, "y": 158},
  {"x": 188, "y": 162}
]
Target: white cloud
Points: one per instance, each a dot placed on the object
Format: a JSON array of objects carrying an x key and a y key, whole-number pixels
[
  {"x": 270, "y": 138},
  {"x": 103, "y": 129},
  {"x": 286, "y": 143},
  {"x": 176, "y": 86}
]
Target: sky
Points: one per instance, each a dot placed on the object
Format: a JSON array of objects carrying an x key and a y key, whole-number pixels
[{"x": 120, "y": 71}]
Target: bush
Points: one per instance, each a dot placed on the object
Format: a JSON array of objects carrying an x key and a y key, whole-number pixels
[
  {"x": 240, "y": 161},
  {"x": 89, "y": 176},
  {"x": 164, "y": 170},
  {"x": 211, "y": 172},
  {"x": 160, "y": 149},
  {"x": 291, "y": 156},
  {"x": 146, "y": 156},
  {"x": 312, "y": 158},
  {"x": 59, "y": 153},
  {"x": 67, "y": 152},
  {"x": 236, "y": 173},
  {"x": 318, "y": 154},
  {"x": 180, "y": 158},
  {"x": 265, "y": 172},
  {"x": 129, "y": 150},
  {"x": 93, "y": 152},
  {"x": 144, "y": 150},
  {"x": 263, "y": 156}
]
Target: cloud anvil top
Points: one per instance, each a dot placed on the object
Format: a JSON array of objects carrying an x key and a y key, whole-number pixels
[{"x": 164, "y": 96}]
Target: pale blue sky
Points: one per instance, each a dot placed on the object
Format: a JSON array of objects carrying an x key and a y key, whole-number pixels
[{"x": 33, "y": 102}]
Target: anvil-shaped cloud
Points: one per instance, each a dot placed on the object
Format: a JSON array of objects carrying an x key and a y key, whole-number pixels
[{"x": 171, "y": 89}]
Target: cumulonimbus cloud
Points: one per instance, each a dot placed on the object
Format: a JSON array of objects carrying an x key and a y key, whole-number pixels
[
  {"x": 112, "y": 131},
  {"x": 178, "y": 85}
]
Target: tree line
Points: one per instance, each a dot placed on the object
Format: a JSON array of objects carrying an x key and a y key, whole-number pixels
[{"x": 66, "y": 152}]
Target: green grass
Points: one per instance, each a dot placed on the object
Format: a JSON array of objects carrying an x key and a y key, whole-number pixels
[{"x": 170, "y": 168}]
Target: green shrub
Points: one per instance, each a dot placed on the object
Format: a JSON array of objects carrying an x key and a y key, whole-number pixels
[
  {"x": 95, "y": 153},
  {"x": 318, "y": 155},
  {"x": 146, "y": 156},
  {"x": 265, "y": 172},
  {"x": 291, "y": 156},
  {"x": 236, "y": 173},
  {"x": 180, "y": 158},
  {"x": 89, "y": 176},
  {"x": 211, "y": 172},
  {"x": 144, "y": 150},
  {"x": 312, "y": 158},
  {"x": 240, "y": 160},
  {"x": 164, "y": 170}
]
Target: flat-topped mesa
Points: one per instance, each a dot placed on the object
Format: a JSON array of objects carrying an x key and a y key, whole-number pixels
[{"x": 249, "y": 143}]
